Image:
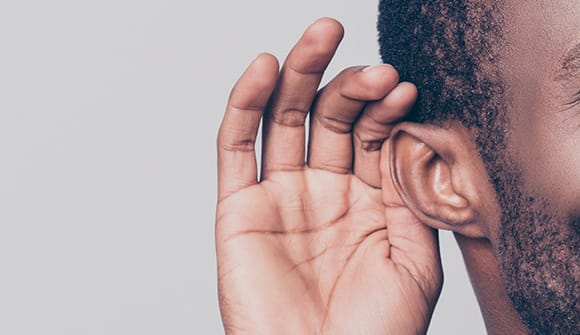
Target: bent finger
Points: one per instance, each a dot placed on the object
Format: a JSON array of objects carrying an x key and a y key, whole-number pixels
[
  {"x": 374, "y": 126},
  {"x": 284, "y": 131},
  {"x": 236, "y": 140},
  {"x": 336, "y": 109}
]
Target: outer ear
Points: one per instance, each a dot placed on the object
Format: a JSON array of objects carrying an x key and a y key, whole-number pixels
[{"x": 440, "y": 177}]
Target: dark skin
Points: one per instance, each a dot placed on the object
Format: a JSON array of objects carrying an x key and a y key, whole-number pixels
[
  {"x": 541, "y": 262},
  {"x": 428, "y": 177},
  {"x": 526, "y": 238},
  {"x": 313, "y": 246}
]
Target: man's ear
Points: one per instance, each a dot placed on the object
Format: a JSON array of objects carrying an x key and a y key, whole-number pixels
[{"x": 440, "y": 177}]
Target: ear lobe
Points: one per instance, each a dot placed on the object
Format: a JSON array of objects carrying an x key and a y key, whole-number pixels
[{"x": 429, "y": 172}]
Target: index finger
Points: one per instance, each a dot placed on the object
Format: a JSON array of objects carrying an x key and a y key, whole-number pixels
[{"x": 237, "y": 166}]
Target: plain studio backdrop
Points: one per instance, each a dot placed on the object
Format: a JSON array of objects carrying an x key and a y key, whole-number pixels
[{"x": 108, "y": 117}]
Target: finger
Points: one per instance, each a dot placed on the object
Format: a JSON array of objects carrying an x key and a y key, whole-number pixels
[
  {"x": 337, "y": 107},
  {"x": 283, "y": 130},
  {"x": 237, "y": 135},
  {"x": 374, "y": 126}
]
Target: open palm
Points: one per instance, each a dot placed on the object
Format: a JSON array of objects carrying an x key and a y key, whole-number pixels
[{"x": 322, "y": 246}]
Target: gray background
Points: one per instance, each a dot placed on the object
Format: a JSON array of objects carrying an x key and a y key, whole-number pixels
[{"x": 108, "y": 116}]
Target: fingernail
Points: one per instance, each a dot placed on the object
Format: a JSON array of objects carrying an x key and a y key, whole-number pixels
[{"x": 370, "y": 68}]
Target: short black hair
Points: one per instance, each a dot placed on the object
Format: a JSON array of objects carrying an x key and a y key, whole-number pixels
[{"x": 449, "y": 49}]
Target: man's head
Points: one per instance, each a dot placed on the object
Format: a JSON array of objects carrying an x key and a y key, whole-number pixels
[{"x": 493, "y": 148}]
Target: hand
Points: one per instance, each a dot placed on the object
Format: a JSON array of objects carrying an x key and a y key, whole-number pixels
[{"x": 311, "y": 248}]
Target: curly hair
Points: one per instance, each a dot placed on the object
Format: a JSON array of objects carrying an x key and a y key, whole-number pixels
[{"x": 449, "y": 49}]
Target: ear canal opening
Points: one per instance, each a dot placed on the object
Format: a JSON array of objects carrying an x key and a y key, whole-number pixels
[
  {"x": 442, "y": 183},
  {"x": 431, "y": 168},
  {"x": 424, "y": 180}
]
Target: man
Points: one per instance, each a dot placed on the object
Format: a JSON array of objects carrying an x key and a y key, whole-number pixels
[{"x": 485, "y": 145}]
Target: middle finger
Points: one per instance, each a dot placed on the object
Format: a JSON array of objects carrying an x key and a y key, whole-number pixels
[{"x": 283, "y": 130}]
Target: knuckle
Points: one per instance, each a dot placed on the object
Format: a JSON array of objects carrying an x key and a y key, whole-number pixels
[
  {"x": 231, "y": 141},
  {"x": 333, "y": 124},
  {"x": 289, "y": 117},
  {"x": 238, "y": 146},
  {"x": 368, "y": 142},
  {"x": 371, "y": 145}
]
